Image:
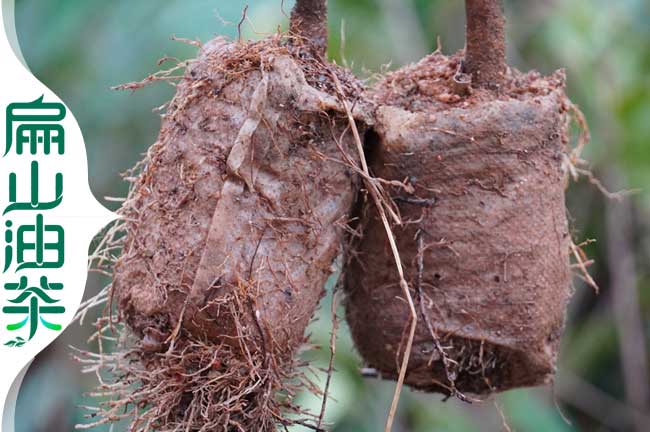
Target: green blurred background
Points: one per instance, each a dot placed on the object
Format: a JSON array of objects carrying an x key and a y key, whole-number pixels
[{"x": 81, "y": 48}]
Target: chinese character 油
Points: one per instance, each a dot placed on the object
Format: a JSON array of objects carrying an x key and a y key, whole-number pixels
[{"x": 38, "y": 245}]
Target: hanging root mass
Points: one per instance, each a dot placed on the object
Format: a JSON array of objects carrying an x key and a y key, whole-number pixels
[
  {"x": 184, "y": 384},
  {"x": 227, "y": 237},
  {"x": 193, "y": 385}
]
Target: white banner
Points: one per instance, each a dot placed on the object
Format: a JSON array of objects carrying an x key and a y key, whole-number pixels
[{"x": 48, "y": 218}]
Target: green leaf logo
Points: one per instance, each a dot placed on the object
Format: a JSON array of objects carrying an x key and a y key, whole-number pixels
[{"x": 18, "y": 342}]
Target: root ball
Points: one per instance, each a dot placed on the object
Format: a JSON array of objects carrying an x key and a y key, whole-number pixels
[
  {"x": 230, "y": 231},
  {"x": 484, "y": 238}
]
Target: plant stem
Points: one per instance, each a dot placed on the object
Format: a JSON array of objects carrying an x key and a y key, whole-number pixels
[
  {"x": 485, "y": 54},
  {"x": 309, "y": 20}
]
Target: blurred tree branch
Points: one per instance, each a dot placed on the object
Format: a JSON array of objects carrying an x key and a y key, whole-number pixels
[
  {"x": 625, "y": 302},
  {"x": 597, "y": 404}
]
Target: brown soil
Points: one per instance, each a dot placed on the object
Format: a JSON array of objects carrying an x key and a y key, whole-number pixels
[
  {"x": 484, "y": 238},
  {"x": 231, "y": 229}
]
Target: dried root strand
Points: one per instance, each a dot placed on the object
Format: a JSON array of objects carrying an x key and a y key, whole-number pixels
[
  {"x": 169, "y": 75},
  {"x": 330, "y": 366},
  {"x": 447, "y": 362},
  {"x": 382, "y": 207}
]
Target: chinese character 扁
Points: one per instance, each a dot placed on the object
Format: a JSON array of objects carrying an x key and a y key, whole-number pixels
[{"x": 38, "y": 125}]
